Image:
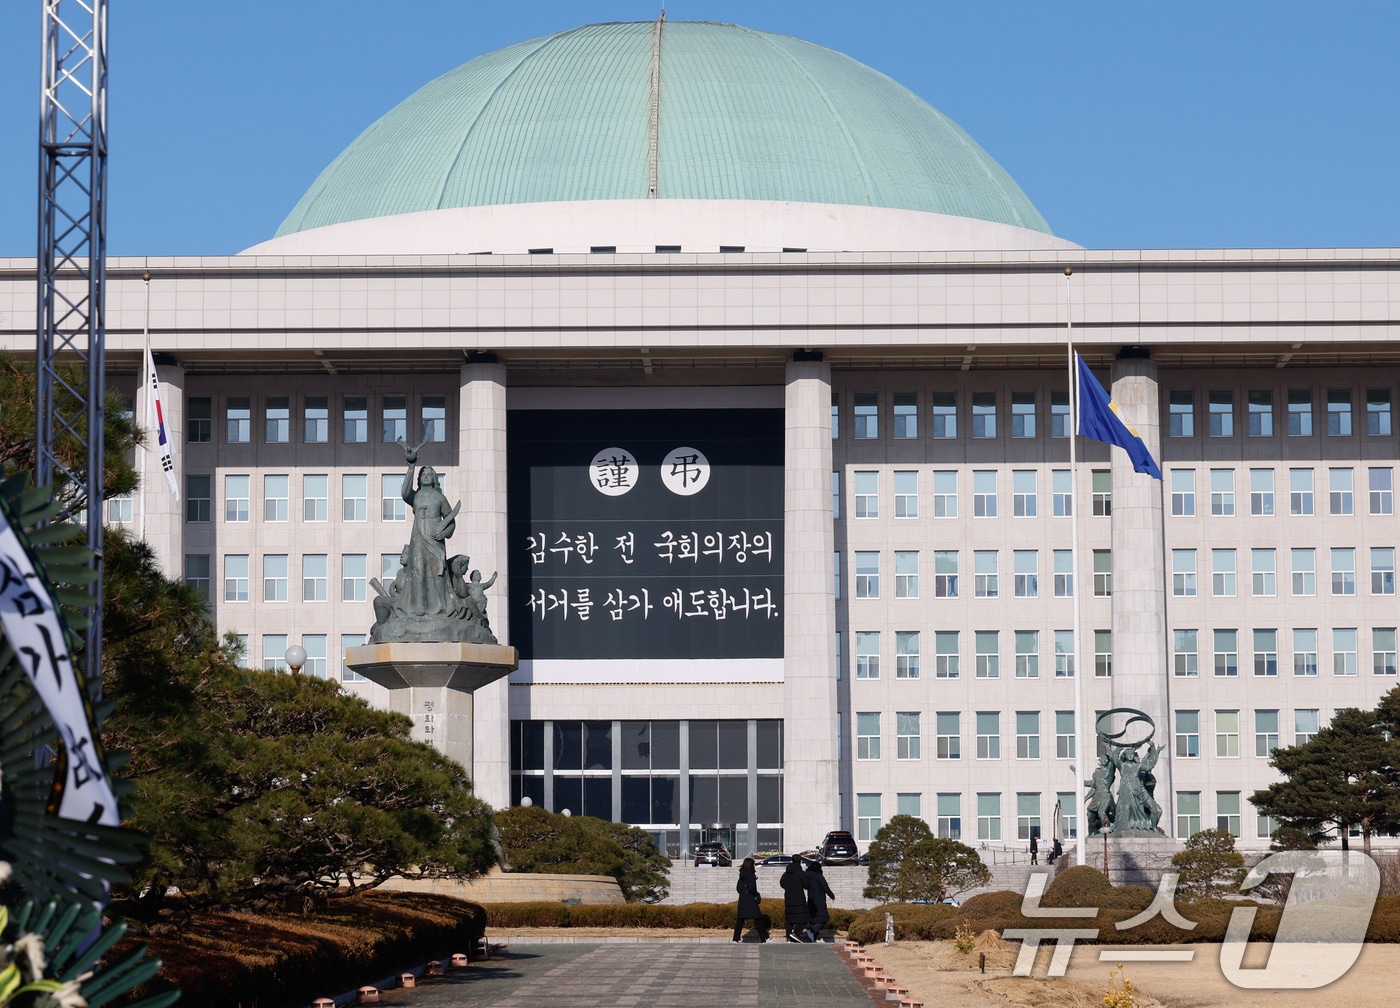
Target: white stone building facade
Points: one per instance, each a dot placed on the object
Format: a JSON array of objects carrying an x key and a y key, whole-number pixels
[{"x": 918, "y": 359}]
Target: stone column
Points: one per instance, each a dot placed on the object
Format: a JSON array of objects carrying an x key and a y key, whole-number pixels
[
  {"x": 1140, "y": 670},
  {"x": 482, "y": 459},
  {"x": 160, "y": 518},
  {"x": 811, "y": 801},
  {"x": 442, "y": 718}
]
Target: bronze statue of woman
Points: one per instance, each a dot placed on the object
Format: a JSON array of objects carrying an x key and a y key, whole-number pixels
[{"x": 424, "y": 589}]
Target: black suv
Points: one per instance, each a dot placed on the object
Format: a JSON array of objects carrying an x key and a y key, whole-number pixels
[
  {"x": 713, "y": 853},
  {"x": 838, "y": 847}
]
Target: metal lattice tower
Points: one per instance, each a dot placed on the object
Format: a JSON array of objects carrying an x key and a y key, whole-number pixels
[{"x": 72, "y": 270}]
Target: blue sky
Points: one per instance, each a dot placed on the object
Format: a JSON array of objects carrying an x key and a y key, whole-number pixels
[{"x": 1182, "y": 125}]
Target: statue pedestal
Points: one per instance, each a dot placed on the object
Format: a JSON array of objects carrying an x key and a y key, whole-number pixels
[
  {"x": 433, "y": 685},
  {"x": 1133, "y": 860}
]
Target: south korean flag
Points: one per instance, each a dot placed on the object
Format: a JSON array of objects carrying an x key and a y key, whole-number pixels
[{"x": 155, "y": 420}]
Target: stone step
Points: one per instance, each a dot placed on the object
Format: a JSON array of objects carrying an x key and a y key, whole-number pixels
[
  {"x": 690, "y": 884},
  {"x": 716, "y": 885}
]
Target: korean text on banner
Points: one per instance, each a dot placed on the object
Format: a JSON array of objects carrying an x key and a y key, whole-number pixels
[{"x": 35, "y": 631}]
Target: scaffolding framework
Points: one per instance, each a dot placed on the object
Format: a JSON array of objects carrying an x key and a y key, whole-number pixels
[{"x": 72, "y": 268}]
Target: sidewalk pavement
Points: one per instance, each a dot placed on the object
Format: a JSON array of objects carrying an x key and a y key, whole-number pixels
[{"x": 645, "y": 975}]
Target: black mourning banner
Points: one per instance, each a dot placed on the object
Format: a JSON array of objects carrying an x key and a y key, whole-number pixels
[{"x": 646, "y": 533}]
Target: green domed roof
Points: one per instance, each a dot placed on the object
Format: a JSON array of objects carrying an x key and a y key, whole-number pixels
[{"x": 738, "y": 114}]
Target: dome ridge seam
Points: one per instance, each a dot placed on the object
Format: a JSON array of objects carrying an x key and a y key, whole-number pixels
[
  {"x": 866, "y": 180},
  {"x": 471, "y": 129}
]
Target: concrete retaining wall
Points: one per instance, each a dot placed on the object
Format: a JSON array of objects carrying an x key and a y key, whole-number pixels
[{"x": 519, "y": 887}]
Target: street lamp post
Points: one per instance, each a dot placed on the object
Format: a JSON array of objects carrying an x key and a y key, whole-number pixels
[
  {"x": 296, "y": 657},
  {"x": 1104, "y": 831}
]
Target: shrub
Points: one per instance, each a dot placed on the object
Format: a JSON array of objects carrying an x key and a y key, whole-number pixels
[
  {"x": 1210, "y": 866},
  {"x": 1080, "y": 886},
  {"x": 537, "y": 840},
  {"x": 540, "y": 914},
  {"x": 1385, "y": 920},
  {"x": 614, "y": 915},
  {"x": 1120, "y": 991},
  {"x": 992, "y": 911},
  {"x": 911, "y": 921},
  {"x": 222, "y": 959},
  {"x": 964, "y": 939},
  {"x": 843, "y": 919},
  {"x": 715, "y": 916}
]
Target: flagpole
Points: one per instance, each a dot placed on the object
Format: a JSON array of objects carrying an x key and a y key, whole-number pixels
[
  {"x": 146, "y": 344},
  {"x": 1081, "y": 752}
]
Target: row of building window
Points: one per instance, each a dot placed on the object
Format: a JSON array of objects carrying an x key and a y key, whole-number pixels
[
  {"x": 275, "y": 417},
  {"x": 984, "y": 413},
  {"x": 866, "y": 492},
  {"x": 1306, "y": 722},
  {"x": 948, "y": 741},
  {"x": 276, "y": 497},
  {"x": 908, "y": 735},
  {"x": 1258, "y": 404},
  {"x": 1341, "y": 491},
  {"x": 943, "y": 415},
  {"x": 1263, "y": 573},
  {"x": 986, "y": 574},
  {"x": 318, "y": 661},
  {"x": 987, "y": 644},
  {"x": 1025, "y": 502},
  {"x": 1026, "y": 654},
  {"x": 645, "y": 745},
  {"x": 662, "y": 773},
  {"x": 1226, "y": 651},
  {"x": 277, "y": 574},
  {"x": 948, "y": 814}
]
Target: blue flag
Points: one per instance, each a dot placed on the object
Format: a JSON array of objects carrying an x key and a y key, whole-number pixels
[{"x": 1099, "y": 419}]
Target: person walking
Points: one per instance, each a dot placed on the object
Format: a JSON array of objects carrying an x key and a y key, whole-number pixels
[
  {"x": 749, "y": 908},
  {"x": 1055, "y": 851},
  {"x": 1035, "y": 849},
  {"x": 818, "y": 891},
  {"x": 796, "y": 916}
]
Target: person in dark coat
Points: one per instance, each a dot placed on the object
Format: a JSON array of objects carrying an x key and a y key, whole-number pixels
[
  {"x": 1035, "y": 849},
  {"x": 796, "y": 917},
  {"x": 818, "y": 891},
  {"x": 1055, "y": 851},
  {"x": 749, "y": 908}
]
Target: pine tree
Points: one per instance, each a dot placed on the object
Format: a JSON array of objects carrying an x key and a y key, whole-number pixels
[
  {"x": 1210, "y": 866},
  {"x": 1345, "y": 776},
  {"x": 908, "y": 863}
]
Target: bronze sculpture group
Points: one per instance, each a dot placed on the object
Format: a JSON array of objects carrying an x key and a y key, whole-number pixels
[
  {"x": 1133, "y": 810},
  {"x": 434, "y": 597}
]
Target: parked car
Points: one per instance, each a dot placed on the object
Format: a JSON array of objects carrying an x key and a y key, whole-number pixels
[
  {"x": 777, "y": 859},
  {"x": 838, "y": 847},
  {"x": 714, "y": 854}
]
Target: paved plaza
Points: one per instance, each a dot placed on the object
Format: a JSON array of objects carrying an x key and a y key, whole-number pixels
[{"x": 648, "y": 975}]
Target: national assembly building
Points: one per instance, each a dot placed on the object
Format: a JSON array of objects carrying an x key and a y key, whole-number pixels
[{"x": 750, "y": 369}]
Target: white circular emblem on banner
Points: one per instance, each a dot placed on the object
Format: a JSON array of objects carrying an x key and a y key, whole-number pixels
[
  {"x": 613, "y": 471},
  {"x": 685, "y": 471}
]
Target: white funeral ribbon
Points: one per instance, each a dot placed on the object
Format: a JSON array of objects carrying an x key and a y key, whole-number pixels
[{"x": 35, "y": 631}]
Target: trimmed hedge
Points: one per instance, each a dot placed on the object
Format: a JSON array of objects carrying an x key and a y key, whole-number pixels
[
  {"x": 1077, "y": 887},
  {"x": 715, "y": 916},
  {"x": 911, "y": 921},
  {"x": 1080, "y": 886},
  {"x": 282, "y": 960}
]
